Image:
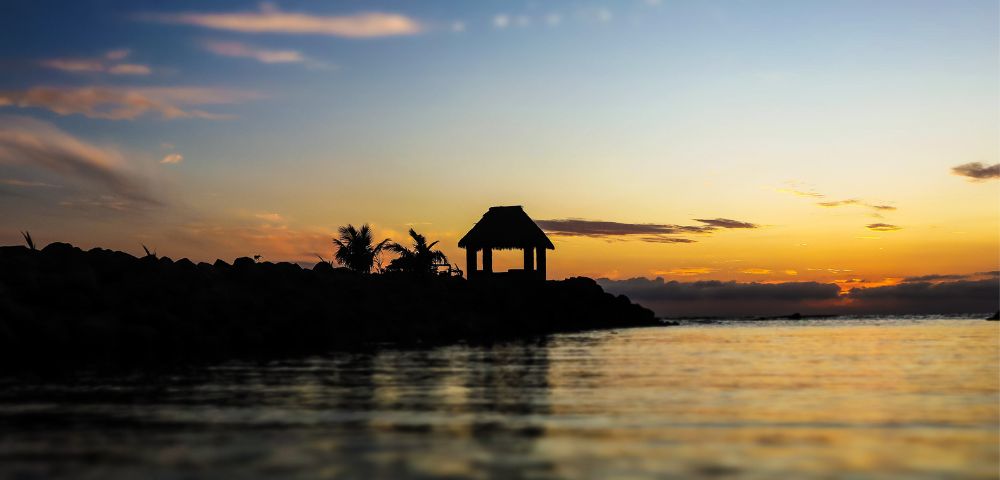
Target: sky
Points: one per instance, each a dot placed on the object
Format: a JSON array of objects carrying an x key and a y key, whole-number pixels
[{"x": 852, "y": 143}]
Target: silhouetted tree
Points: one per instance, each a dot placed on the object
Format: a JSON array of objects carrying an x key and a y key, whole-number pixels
[
  {"x": 356, "y": 249},
  {"x": 420, "y": 259}
]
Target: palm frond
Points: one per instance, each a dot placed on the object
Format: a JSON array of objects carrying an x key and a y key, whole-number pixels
[{"x": 28, "y": 240}]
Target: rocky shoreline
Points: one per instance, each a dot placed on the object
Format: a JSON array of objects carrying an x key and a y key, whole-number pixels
[{"x": 61, "y": 307}]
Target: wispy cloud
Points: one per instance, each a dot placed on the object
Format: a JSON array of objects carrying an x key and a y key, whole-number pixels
[
  {"x": 109, "y": 63},
  {"x": 118, "y": 54},
  {"x": 270, "y": 217},
  {"x": 39, "y": 145},
  {"x": 977, "y": 172},
  {"x": 855, "y": 201},
  {"x": 801, "y": 193},
  {"x": 646, "y": 232},
  {"x": 262, "y": 55},
  {"x": 726, "y": 223},
  {"x": 14, "y": 182},
  {"x": 501, "y": 20},
  {"x": 125, "y": 103},
  {"x": 172, "y": 158},
  {"x": 270, "y": 19},
  {"x": 797, "y": 189},
  {"x": 601, "y": 228},
  {"x": 883, "y": 227},
  {"x": 839, "y": 203},
  {"x": 685, "y": 271},
  {"x": 129, "y": 69}
]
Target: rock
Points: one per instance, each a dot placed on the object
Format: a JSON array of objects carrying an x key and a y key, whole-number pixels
[{"x": 63, "y": 307}]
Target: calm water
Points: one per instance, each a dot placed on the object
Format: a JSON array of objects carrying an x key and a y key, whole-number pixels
[{"x": 823, "y": 399}]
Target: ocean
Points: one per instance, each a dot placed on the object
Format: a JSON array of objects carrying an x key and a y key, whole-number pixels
[{"x": 862, "y": 398}]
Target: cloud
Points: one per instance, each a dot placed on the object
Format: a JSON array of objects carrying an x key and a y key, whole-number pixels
[
  {"x": 273, "y": 240},
  {"x": 839, "y": 203},
  {"x": 718, "y": 298},
  {"x": 40, "y": 145},
  {"x": 600, "y": 228},
  {"x": 269, "y": 19},
  {"x": 126, "y": 103},
  {"x": 26, "y": 183},
  {"x": 262, "y": 55},
  {"x": 726, "y": 223},
  {"x": 118, "y": 54},
  {"x": 854, "y": 201},
  {"x": 501, "y": 21},
  {"x": 74, "y": 65},
  {"x": 685, "y": 271},
  {"x": 129, "y": 69},
  {"x": 927, "y": 297},
  {"x": 799, "y": 189},
  {"x": 801, "y": 193},
  {"x": 713, "y": 297},
  {"x": 977, "y": 172},
  {"x": 172, "y": 158},
  {"x": 935, "y": 278},
  {"x": 796, "y": 189},
  {"x": 655, "y": 239},
  {"x": 756, "y": 271},
  {"x": 883, "y": 227},
  {"x": 270, "y": 217},
  {"x": 105, "y": 64},
  {"x": 595, "y": 15},
  {"x": 647, "y": 232}
]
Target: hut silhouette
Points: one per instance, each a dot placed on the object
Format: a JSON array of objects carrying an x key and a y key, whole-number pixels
[{"x": 506, "y": 228}]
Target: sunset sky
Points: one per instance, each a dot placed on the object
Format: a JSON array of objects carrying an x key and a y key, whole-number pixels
[{"x": 689, "y": 140}]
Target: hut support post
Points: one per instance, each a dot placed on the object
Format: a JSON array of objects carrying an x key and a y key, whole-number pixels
[
  {"x": 541, "y": 262},
  {"x": 487, "y": 260},
  {"x": 529, "y": 259},
  {"x": 470, "y": 262}
]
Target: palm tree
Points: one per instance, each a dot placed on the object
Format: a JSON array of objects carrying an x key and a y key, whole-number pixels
[
  {"x": 420, "y": 259},
  {"x": 356, "y": 249}
]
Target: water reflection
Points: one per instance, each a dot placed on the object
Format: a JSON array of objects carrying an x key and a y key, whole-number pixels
[{"x": 914, "y": 399}]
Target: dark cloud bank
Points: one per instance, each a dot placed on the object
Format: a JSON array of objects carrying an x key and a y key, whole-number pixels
[{"x": 717, "y": 298}]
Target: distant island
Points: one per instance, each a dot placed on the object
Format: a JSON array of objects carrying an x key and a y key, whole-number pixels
[{"x": 61, "y": 306}]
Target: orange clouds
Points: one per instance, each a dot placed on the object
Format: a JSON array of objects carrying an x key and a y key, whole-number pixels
[
  {"x": 883, "y": 227},
  {"x": 38, "y": 145},
  {"x": 124, "y": 103},
  {"x": 271, "y": 20},
  {"x": 273, "y": 240},
  {"x": 107, "y": 64},
  {"x": 172, "y": 158}
]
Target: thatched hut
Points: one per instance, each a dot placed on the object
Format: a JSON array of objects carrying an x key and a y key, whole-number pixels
[{"x": 506, "y": 228}]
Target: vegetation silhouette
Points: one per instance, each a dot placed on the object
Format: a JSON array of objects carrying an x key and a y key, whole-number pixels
[
  {"x": 30, "y": 242},
  {"x": 421, "y": 259},
  {"x": 62, "y": 307},
  {"x": 356, "y": 249}
]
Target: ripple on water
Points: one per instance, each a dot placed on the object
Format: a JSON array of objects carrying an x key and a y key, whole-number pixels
[{"x": 882, "y": 398}]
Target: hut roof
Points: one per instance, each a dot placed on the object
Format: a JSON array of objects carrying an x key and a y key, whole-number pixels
[{"x": 505, "y": 228}]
